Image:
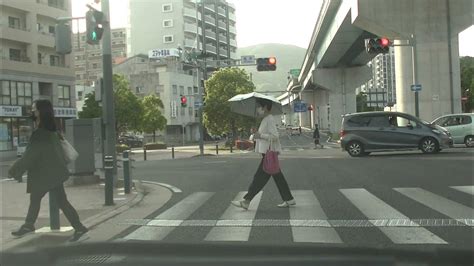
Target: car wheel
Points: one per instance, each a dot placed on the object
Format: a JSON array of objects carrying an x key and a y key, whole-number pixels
[
  {"x": 469, "y": 141},
  {"x": 429, "y": 145},
  {"x": 355, "y": 149}
]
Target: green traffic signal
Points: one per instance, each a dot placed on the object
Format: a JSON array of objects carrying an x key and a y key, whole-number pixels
[{"x": 94, "y": 25}]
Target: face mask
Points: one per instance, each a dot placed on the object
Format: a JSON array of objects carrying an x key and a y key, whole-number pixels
[{"x": 260, "y": 111}]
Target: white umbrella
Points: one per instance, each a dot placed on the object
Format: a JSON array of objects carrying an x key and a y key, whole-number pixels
[{"x": 246, "y": 104}]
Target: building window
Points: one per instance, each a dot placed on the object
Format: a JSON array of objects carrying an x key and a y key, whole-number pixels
[
  {"x": 95, "y": 65},
  {"x": 14, "y": 22},
  {"x": 16, "y": 93},
  {"x": 183, "y": 111},
  {"x": 40, "y": 59},
  {"x": 168, "y": 39},
  {"x": 190, "y": 111},
  {"x": 196, "y": 90},
  {"x": 190, "y": 91},
  {"x": 79, "y": 95},
  {"x": 175, "y": 89},
  {"x": 15, "y": 54},
  {"x": 167, "y": 7},
  {"x": 56, "y": 60},
  {"x": 64, "y": 99},
  {"x": 167, "y": 23},
  {"x": 181, "y": 90},
  {"x": 56, "y": 3},
  {"x": 51, "y": 29}
]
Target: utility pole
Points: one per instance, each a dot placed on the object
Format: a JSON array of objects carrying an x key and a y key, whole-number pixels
[
  {"x": 108, "y": 106},
  {"x": 415, "y": 73}
]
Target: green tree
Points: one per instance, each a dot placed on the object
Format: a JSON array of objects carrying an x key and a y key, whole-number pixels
[
  {"x": 223, "y": 85},
  {"x": 128, "y": 107},
  {"x": 152, "y": 118},
  {"x": 467, "y": 82},
  {"x": 91, "y": 108}
]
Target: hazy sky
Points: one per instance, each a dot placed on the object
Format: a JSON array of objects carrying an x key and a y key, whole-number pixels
[{"x": 265, "y": 21}]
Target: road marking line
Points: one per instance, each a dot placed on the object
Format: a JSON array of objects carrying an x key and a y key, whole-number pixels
[
  {"x": 180, "y": 211},
  {"x": 235, "y": 232},
  {"x": 215, "y": 162},
  {"x": 305, "y": 223},
  {"x": 440, "y": 204},
  {"x": 308, "y": 207},
  {"x": 170, "y": 187},
  {"x": 375, "y": 208},
  {"x": 465, "y": 189}
]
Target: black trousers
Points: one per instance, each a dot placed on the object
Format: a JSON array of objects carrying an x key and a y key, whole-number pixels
[
  {"x": 63, "y": 203},
  {"x": 260, "y": 179}
]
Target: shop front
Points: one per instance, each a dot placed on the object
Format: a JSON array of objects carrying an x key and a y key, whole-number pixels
[{"x": 15, "y": 127}]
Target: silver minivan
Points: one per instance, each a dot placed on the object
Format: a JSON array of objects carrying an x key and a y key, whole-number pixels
[
  {"x": 461, "y": 127},
  {"x": 363, "y": 133}
]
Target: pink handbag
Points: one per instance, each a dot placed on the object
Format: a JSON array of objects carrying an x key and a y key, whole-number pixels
[{"x": 271, "y": 165}]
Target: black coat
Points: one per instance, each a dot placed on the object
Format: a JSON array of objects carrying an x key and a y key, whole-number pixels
[{"x": 44, "y": 161}]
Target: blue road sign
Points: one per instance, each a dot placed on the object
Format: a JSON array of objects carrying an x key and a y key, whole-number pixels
[
  {"x": 300, "y": 107},
  {"x": 416, "y": 87},
  {"x": 197, "y": 104}
]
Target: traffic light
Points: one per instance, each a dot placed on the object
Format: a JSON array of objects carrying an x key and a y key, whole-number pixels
[
  {"x": 63, "y": 38},
  {"x": 377, "y": 45},
  {"x": 94, "y": 24},
  {"x": 266, "y": 64},
  {"x": 184, "y": 101}
]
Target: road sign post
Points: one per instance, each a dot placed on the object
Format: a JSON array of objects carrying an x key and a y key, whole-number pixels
[{"x": 416, "y": 88}]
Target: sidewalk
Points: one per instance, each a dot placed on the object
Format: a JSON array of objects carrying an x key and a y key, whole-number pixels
[{"x": 88, "y": 200}]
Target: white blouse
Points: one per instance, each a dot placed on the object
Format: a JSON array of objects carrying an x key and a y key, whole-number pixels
[{"x": 268, "y": 134}]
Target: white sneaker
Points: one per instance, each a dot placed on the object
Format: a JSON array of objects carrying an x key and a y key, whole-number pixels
[
  {"x": 244, "y": 204},
  {"x": 287, "y": 204}
]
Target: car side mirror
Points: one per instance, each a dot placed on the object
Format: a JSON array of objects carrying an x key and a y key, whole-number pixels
[{"x": 410, "y": 126}]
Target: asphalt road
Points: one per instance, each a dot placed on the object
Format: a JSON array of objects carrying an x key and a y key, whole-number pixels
[{"x": 401, "y": 199}]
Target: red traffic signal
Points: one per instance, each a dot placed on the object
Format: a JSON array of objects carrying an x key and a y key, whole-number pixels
[
  {"x": 184, "y": 101},
  {"x": 384, "y": 42},
  {"x": 266, "y": 64},
  {"x": 377, "y": 45}
]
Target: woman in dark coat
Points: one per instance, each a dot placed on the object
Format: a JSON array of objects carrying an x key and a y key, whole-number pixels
[{"x": 46, "y": 168}]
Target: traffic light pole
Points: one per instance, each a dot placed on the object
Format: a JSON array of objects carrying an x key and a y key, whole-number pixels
[
  {"x": 415, "y": 73},
  {"x": 108, "y": 115}
]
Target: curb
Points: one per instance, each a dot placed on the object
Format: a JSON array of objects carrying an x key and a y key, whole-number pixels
[{"x": 90, "y": 223}]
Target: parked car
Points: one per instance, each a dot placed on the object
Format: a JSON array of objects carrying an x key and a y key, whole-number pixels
[
  {"x": 131, "y": 141},
  {"x": 460, "y": 126},
  {"x": 363, "y": 133}
]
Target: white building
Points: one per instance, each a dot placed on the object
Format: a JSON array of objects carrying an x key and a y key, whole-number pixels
[
  {"x": 166, "y": 24},
  {"x": 30, "y": 69},
  {"x": 166, "y": 79}
]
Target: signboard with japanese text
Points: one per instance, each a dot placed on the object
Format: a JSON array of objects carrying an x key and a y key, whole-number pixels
[
  {"x": 160, "y": 53},
  {"x": 65, "y": 112}
]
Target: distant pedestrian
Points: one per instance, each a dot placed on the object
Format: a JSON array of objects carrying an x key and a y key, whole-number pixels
[
  {"x": 299, "y": 130},
  {"x": 267, "y": 139},
  {"x": 316, "y": 137},
  {"x": 45, "y": 164},
  {"x": 252, "y": 137}
]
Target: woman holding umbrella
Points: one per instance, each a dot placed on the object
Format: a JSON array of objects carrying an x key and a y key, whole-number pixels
[{"x": 267, "y": 139}]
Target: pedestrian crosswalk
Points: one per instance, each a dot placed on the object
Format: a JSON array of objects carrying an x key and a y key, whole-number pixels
[{"x": 309, "y": 222}]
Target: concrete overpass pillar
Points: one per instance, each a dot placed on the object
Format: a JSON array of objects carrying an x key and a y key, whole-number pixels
[
  {"x": 436, "y": 25},
  {"x": 341, "y": 84}
]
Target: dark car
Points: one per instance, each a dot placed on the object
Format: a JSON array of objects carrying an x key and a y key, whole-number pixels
[
  {"x": 130, "y": 141},
  {"x": 362, "y": 133}
]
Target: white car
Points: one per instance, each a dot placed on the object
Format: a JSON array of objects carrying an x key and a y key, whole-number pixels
[{"x": 461, "y": 127}]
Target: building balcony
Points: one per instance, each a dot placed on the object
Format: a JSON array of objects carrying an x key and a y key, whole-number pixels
[
  {"x": 232, "y": 29},
  {"x": 24, "y": 65},
  {"x": 232, "y": 16},
  {"x": 14, "y": 34},
  {"x": 190, "y": 43},
  {"x": 222, "y": 39},
  {"x": 211, "y": 49},
  {"x": 210, "y": 20},
  {"x": 233, "y": 43},
  {"x": 210, "y": 34},
  {"x": 191, "y": 13},
  {"x": 221, "y": 11},
  {"x": 192, "y": 28},
  {"x": 223, "y": 52},
  {"x": 222, "y": 25}
]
